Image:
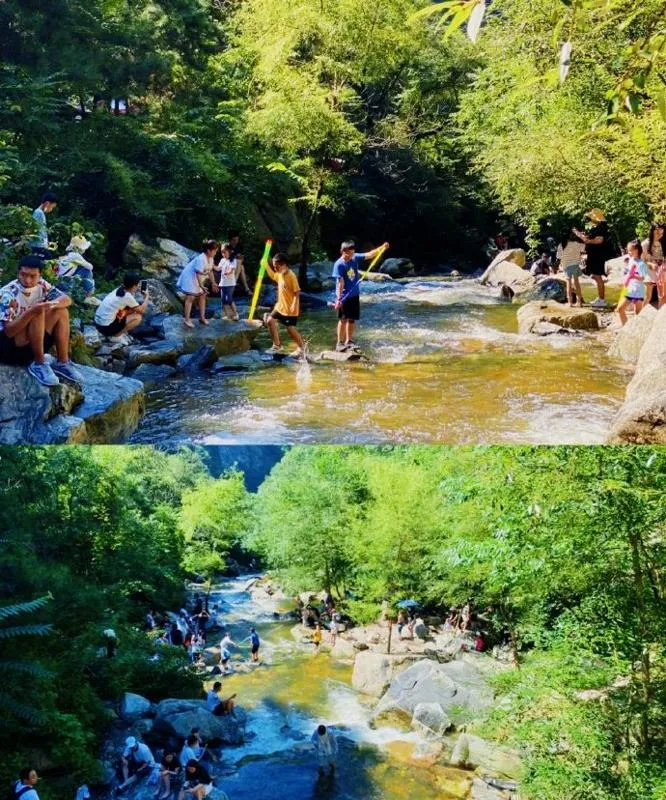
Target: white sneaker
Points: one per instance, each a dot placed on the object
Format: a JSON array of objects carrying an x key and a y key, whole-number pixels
[
  {"x": 599, "y": 303},
  {"x": 274, "y": 349}
]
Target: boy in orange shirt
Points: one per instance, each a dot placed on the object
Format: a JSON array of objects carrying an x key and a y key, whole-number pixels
[{"x": 287, "y": 308}]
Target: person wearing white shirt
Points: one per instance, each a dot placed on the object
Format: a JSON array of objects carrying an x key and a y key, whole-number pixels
[
  {"x": 137, "y": 761},
  {"x": 192, "y": 279},
  {"x": 326, "y": 747},
  {"x": 213, "y": 697},
  {"x": 228, "y": 275},
  {"x": 188, "y": 753},
  {"x": 120, "y": 312}
]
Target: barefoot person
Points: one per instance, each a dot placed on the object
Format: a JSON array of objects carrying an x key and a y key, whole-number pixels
[
  {"x": 33, "y": 317},
  {"x": 634, "y": 283},
  {"x": 198, "y": 783},
  {"x": 347, "y": 291},
  {"x": 569, "y": 256},
  {"x": 169, "y": 772},
  {"x": 227, "y": 271},
  {"x": 120, "y": 311},
  {"x": 596, "y": 242},
  {"x": 192, "y": 279},
  {"x": 287, "y": 308}
]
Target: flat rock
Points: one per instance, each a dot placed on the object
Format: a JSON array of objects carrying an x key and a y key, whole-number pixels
[
  {"x": 642, "y": 418},
  {"x": 333, "y": 355},
  {"x": 164, "y": 352},
  {"x": 252, "y": 359},
  {"x": 531, "y": 314},
  {"x": 226, "y": 337},
  {"x": 629, "y": 340},
  {"x": 472, "y": 752},
  {"x": 105, "y": 409}
]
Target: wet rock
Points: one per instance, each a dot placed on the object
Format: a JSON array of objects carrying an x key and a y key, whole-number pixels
[
  {"x": 430, "y": 718},
  {"x": 630, "y": 339},
  {"x": 532, "y": 314},
  {"x": 547, "y": 289},
  {"x": 473, "y": 752},
  {"x": 164, "y": 259},
  {"x": 642, "y": 418},
  {"x": 510, "y": 277},
  {"x": 240, "y": 362},
  {"x": 104, "y": 409},
  {"x": 153, "y": 374},
  {"x": 164, "y": 352},
  {"x": 133, "y": 706},
  {"x": 458, "y": 687},
  {"x": 178, "y": 717},
  {"x": 201, "y": 359},
  {"x": 550, "y": 329}
]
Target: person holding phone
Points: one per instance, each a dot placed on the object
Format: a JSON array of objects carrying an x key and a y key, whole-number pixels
[
  {"x": 34, "y": 316},
  {"x": 120, "y": 311}
]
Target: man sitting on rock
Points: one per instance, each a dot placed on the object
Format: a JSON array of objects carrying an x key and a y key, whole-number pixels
[
  {"x": 137, "y": 762},
  {"x": 33, "y": 317}
]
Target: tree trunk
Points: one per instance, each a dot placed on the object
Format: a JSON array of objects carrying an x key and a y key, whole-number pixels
[
  {"x": 643, "y": 630},
  {"x": 388, "y": 650}
]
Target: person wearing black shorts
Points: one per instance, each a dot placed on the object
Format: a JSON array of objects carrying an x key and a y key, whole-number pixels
[
  {"x": 287, "y": 308},
  {"x": 596, "y": 242},
  {"x": 347, "y": 291}
]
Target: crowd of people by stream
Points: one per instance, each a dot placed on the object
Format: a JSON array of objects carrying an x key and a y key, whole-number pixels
[{"x": 189, "y": 772}]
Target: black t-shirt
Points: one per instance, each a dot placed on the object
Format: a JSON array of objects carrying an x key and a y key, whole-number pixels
[
  {"x": 200, "y": 775},
  {"x": 173, "y": 765},
  {"x": 596, "y": 253}
]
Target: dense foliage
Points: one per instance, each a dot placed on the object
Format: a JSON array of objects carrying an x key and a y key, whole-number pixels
[
  {"x": 107, "y": 533},
  {"x": 565, "y": 547},
  {"x": 256, "y": 115}
]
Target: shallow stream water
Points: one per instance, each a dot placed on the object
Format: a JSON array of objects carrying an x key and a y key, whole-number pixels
[
  {"x": 291, "y": 692},
  {"x": 445, "y": 364}
]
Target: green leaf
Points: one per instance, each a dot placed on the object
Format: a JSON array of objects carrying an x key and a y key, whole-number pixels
[{"x": 661, "y": 103}]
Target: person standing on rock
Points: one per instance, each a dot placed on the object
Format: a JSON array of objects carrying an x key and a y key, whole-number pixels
[
  {"x": 653, "y": 254},
  {"x": 137, "y": 761},
  {"x": 120, "y": 312},
  {"x": 287, "y": 309},
  {"x": 637, "y": 275},
  {"x": 326, "y": 747},
  {"x": 347, "y": 291},
  {"x": 225, "y": 649},
  {"x": 34, "y": 316},
  {"x": 333, "y": 630},
  {"x": 569, "y": 256},
  {"x": 192, "y": 279},
  {"x": 316, "y": 637},
  {"x": 226, "y": 271},
  {"x": 597, "y": 241}
]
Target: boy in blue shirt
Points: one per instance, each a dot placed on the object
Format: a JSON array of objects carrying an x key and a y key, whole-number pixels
[{"x": 347, "y": 291}]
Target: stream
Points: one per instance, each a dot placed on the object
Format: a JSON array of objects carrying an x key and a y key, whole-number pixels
[
  {"x": 445, "y": 364},
  {"x": 291, "y": 692}
]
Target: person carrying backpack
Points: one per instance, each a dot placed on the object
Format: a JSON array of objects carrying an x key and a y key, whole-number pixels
[{"x": 24, "y": 788}]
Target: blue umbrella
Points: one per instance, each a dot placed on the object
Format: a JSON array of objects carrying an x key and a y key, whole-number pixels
[{"x": 408, "y": 604}]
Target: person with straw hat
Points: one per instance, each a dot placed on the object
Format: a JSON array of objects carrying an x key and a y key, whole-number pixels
[
  {"x": 73, "y": 268},
  {"x": 596, "y": 246}
]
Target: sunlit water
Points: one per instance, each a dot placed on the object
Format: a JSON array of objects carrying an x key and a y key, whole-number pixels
[
  {"x": 445, "y": 364},
  {"x": 291, "y": 692}
]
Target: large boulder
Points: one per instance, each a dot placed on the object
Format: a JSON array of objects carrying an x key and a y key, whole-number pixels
[
  {"x": 615, "y": 269},
  {"x": 631, "y": 337},
  {"x": 178, "y": 717},
  {"x": 642, "y": 418},
  {"x": 472, "y": 752},
  {"x": 105, "y": 409},
  {"x": 372, "y": 673},
  {"x": 164, "y": 259},
  {"x": 153, "y": 374},
  {"x": 320, "y": 276},
  {"x": 509, "y": 276},
  {"x": 458, "y": 687},
  {"x": 397, "y": 267},
  {"x": 515, "y": 255},
  {"x": 579, "y": 319},
  {"x": 161, "y": 299},
  {"x": 133, "y": 706}
]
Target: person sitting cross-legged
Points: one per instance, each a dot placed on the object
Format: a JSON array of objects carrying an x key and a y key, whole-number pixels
[{"x": 34, "y": 316}]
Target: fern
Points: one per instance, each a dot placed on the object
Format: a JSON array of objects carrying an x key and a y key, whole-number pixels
[
  {"x": 32, "y": 668},
  {"x": 24, "y": 608},
  {"x": 24, "y": 630}
]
